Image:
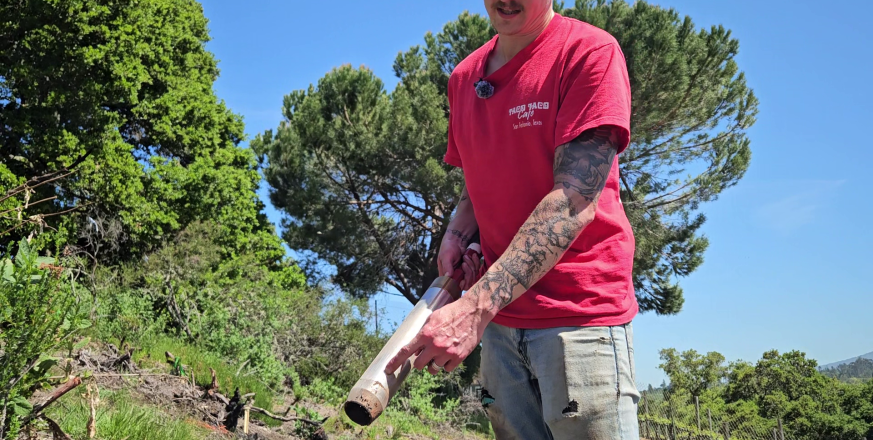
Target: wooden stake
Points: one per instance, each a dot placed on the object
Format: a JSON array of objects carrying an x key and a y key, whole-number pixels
[
  {"x": 697, "y": 411},
  {"x": 709, "y": 415},
  {"x": 781, "y": 432},
  {"x": 247, "y": 411}
]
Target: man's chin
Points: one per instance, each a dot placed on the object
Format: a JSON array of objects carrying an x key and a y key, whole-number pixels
[{"x": 506, "y": 29}]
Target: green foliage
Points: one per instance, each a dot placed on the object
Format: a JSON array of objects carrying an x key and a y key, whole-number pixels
[
  {"x": 39, "y": 312},
  {"x": 231, "y": 306},
  {"x": 751, "y": 398},
  {"x": 359, "y": 175},
  {"x": 120, "y": 417},
  {"x": 326, "y": 391},
  {"x": 859, "y": 370},
  {"x": 421, "y": 399},
  {"x": 359, "y": 171},
  {"x": 258, "y": 318},
  {"x": 692, "y": 372},
  {"x": 120, "y": 94}
]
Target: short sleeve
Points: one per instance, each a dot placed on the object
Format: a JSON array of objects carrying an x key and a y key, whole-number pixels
[
  {"x": 595, "y": 91},
  {"x": 452, "y": 157}
]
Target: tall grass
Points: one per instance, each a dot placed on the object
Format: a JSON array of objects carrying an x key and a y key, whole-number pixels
[{"x": 119, "y": 417}]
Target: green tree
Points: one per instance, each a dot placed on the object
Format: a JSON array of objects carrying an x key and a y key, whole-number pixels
[
  {"x": 692, "y": 371},
  {"x": 788, "y": 386},
  {"x": 108, "y": 123},
  {"x": 692, "y": 110},
  {"x": 359, "y": 171}
]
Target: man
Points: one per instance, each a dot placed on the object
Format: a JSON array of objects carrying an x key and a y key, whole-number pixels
[{"x": 538, "y": 117}]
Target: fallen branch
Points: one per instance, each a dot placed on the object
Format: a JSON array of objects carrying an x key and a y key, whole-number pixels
[
  {"x": 125, "y": 361},
  {"x": 241, "y": 367},
  {"x": 221, "y": 398},
  {"x": 63, "y": 389},
  {"x": 286, "y": 419},
  {"x": 57, "y": 432},
  {"x": 138, "y": 374}
]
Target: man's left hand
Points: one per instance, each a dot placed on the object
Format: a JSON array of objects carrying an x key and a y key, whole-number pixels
[{"x": 448, "y": 336}]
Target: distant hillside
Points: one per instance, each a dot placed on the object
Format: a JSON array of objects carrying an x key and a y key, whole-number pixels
[
  {"x": 847, "y": 361},
  {"x": 858, "y": 370}
]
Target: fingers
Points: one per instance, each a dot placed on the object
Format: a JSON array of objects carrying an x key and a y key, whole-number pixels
[
  {"x": 472, "y": 272},
  {"x": 436, "y": 364},
  {"x": 446, "y": 264},
  {"x": 402, "y": 355},
  {"x": 476, "y": 263},
  {"x": 469, "y": 277},
  {"x": 432, "y": 369},
  {"x": 427, "y": 355},
  {"x": 451, "y": 365}
]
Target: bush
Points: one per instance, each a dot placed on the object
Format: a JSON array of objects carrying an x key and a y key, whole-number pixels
[
  {"x": 39, "y": 312},
  {"x": 234, "y": 307}
]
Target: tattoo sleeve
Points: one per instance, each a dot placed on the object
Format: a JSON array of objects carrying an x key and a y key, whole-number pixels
[{"x": 581, "y": 168}]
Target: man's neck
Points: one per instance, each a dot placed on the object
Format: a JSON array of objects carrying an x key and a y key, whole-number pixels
[{"x": 509, "y": 46}]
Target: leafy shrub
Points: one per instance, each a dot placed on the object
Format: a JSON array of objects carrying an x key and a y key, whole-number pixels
[
  {"x": 39, "y": 312},
  {"x": 326, "y": 391},
  {"x": 419, "y": 395},
  {"x": 234, "y": 307}
]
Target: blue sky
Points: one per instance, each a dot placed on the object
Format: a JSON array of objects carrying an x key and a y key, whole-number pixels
[{"x": 789, "y": 244}]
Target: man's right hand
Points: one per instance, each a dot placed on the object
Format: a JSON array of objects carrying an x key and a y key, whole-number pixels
[{"x": 452, "y": 249}]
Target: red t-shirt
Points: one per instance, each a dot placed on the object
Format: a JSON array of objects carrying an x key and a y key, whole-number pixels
[{"x": 572, "y": 78}]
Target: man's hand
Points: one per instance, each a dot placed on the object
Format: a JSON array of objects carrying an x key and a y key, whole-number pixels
[
  {"x": 453, "y": 253},
  {"x": 447, "y": 338}
]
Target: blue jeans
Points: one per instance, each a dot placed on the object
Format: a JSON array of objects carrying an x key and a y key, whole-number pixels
[{"x": 560, "y": 383}]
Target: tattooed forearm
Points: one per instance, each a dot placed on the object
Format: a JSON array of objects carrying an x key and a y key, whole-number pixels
[
  {"x": 581, "y": 169},
  {"x": 583, "y": 164},
  {"x": 550, "y": 230},
  {"x": 500, "y": 284}
]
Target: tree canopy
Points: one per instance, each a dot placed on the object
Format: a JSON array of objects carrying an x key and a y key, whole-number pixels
[
  {"x": 110, "y": 131},
  {"x": 358, "y": 170},
  {"x": 786, "y": 387}
]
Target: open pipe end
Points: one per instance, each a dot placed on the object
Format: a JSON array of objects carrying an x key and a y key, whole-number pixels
[
  {"x": 363, "y": 408},
  {"x": 358, "y": 413}
]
